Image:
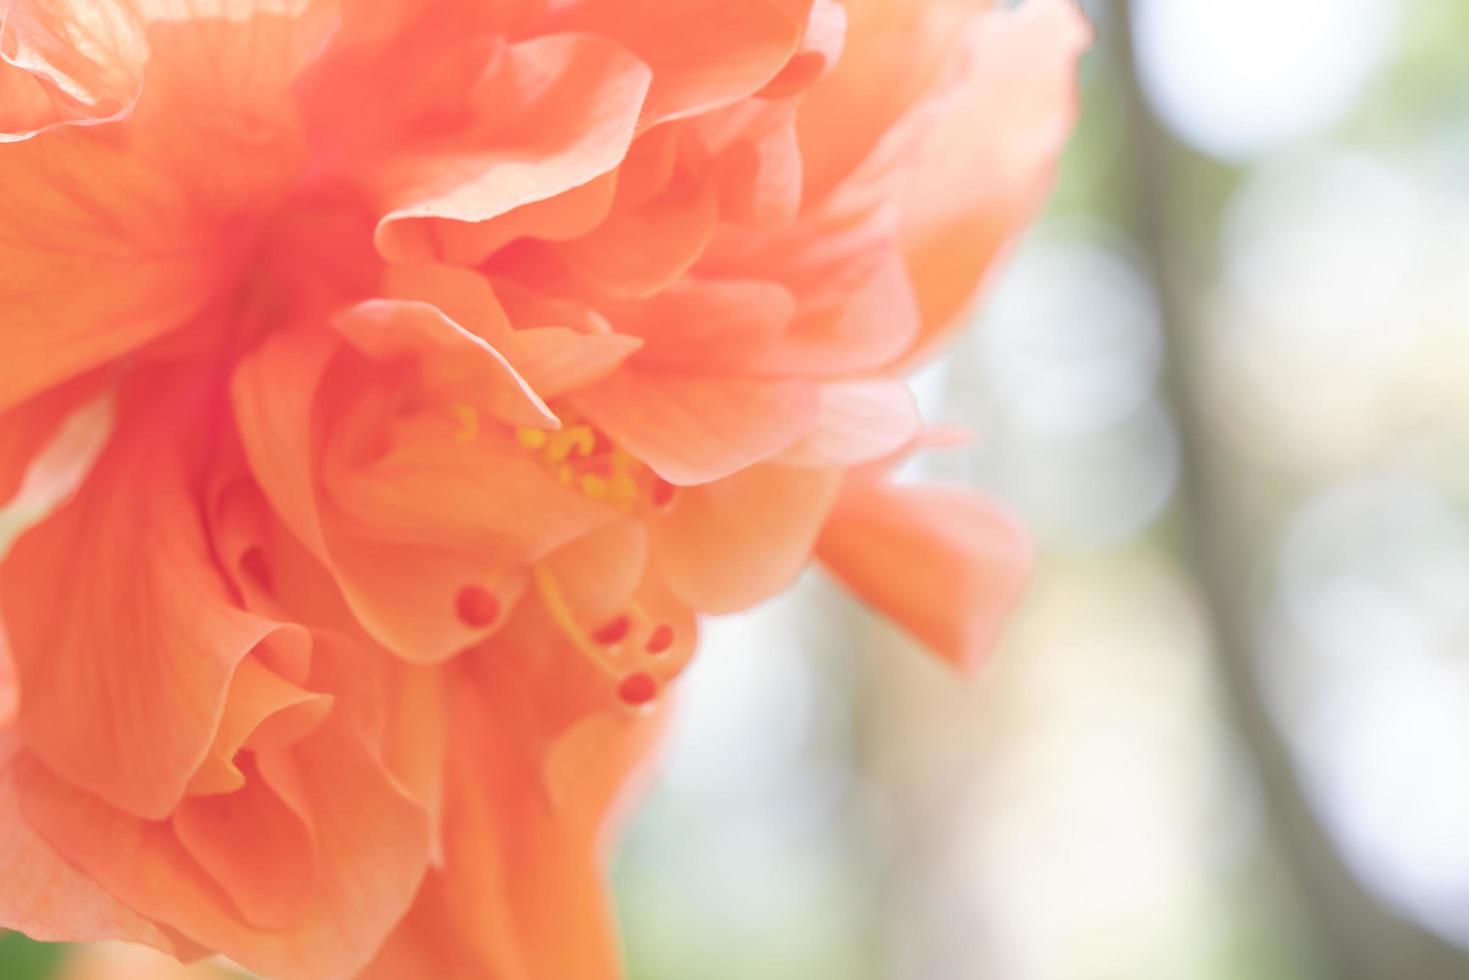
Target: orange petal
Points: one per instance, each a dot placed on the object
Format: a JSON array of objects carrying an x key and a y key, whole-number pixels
[
  {"x": 597, "y": 573},
  {"x": 567, "y": 215},
  {"x": 398, "y": 710},
  {"x": 255, "y": 846},
  {"x": 553, "y": 359},
  {"x": 875, "y": 321},
  {"x": 556, "y": 360},
  {"x": 641, "y": 251},
  {"x": 821, "y": 47},
  {"x": 758, "y": 161},
  {"x": 47, "y": 448},
  {"x": 407, "y": 531},
  {"x": 704, "y": 53},
  {"x": 694, "y": 429},
  {"x": 892, "y": 54},
  {"x": 262, "y": 711},
  {"x": 858, "y": 421},
  {"x": 116, "y": 235},
  {"x": 125, "y": 567},
  {"x": 713, "y": 324},
  {"x": 557, "y": 112},
  {"x": 273, "y": 393},
  {"x": 60, "y": 65},
  {"x": 44, "y": 896},
  {"x": 99, "y": 255},
  {"x": 522, "y": 895},
  {"x": 941, "y": 561},
  {"x": 463, "y": 295},
  {"x": 1009, "y": 121},
  {"x": 729, "y": 544},
  {"x": 349, "y": 913},
  {"x": 431, "y": 487},
  {"x": 9, "y": 686},
  {"x": 451, "y": 356}
]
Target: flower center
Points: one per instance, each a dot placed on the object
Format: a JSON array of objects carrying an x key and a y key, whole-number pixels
[{"x": 583, "y": 457}]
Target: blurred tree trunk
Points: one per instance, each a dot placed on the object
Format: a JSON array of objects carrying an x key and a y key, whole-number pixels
[{"x": 1354, "y": 936}]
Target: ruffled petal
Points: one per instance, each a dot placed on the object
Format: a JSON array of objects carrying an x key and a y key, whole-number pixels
[
  {"x": 400, "y": 713},
  {"x": 134, "y": 725},
  {"x": 556, "y": 113},
  {"x": 263, "y": 710},
  {"x": 451, "y": 357},
  {"x": 408, "y": 529},
  {"x": 943, "y": 562},
  {"x": 729, "y": 544},
  {"x": 552, "y": 359},
  {"x": 1009, "y": 120},
  {"x": 367, "y": 869},
  {"x": 67, "y": 62},
  {"x": 255, "y": 846},
  {"x": 44, "y": 896},
  {"x": 523, "y": 894},
  {"x": 113, "y": 236},
  {"x": 641, "y": 251},
  {"x": 703, "y": 53},
  {"x": 821, "y": 47},
  {"x": 872, "y": 324},
  {"x": 694, "y": 429}
]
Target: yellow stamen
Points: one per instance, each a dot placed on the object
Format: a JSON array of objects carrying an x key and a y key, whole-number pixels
[
  {"x": 623, "y": 491},
  {"x": 594, "y": 486},
  {"x": 531, "y": 438},
  {"x": 584, "y": 440},
  {"x": 579, "y": 440}
]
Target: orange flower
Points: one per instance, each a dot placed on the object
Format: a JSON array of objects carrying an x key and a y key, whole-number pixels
[{"x": 386, "y": 387}]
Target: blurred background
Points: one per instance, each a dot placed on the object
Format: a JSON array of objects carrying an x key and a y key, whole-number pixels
[{"x": 1225, "y": 381}]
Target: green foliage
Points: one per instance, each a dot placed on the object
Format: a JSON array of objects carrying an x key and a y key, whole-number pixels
[{"x": 26, "y": 959}]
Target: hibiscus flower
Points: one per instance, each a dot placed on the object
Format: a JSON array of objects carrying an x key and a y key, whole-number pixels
[{"x": 386, "y": 388}]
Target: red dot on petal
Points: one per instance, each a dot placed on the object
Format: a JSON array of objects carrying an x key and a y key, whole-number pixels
[
  {"x": 660, "y": 639},
  {"x": 476, "y": 606},
  {"x": 612, "y": 631},
  {"x": 637, "y": 689}
]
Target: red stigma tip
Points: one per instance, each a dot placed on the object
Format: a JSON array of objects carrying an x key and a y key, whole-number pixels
[
  {"x": 613, "y": 631},
  {"x": 661, "y": 493},
  {"x": 476, "y": 606},
  {"x": 637, "y": 689},
  {"x": 660, "y": 639}
]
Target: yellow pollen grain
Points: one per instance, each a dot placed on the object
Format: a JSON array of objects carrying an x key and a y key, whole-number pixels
[
  {"x": 579, "y": 440},
  {"x": 584, "y": 440},
  {"x": 594, "y": 486},
  {"x": 531, "y": 438},
  {"x": 623, "y": 490},
  {"x": 468, "y": 420}
]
